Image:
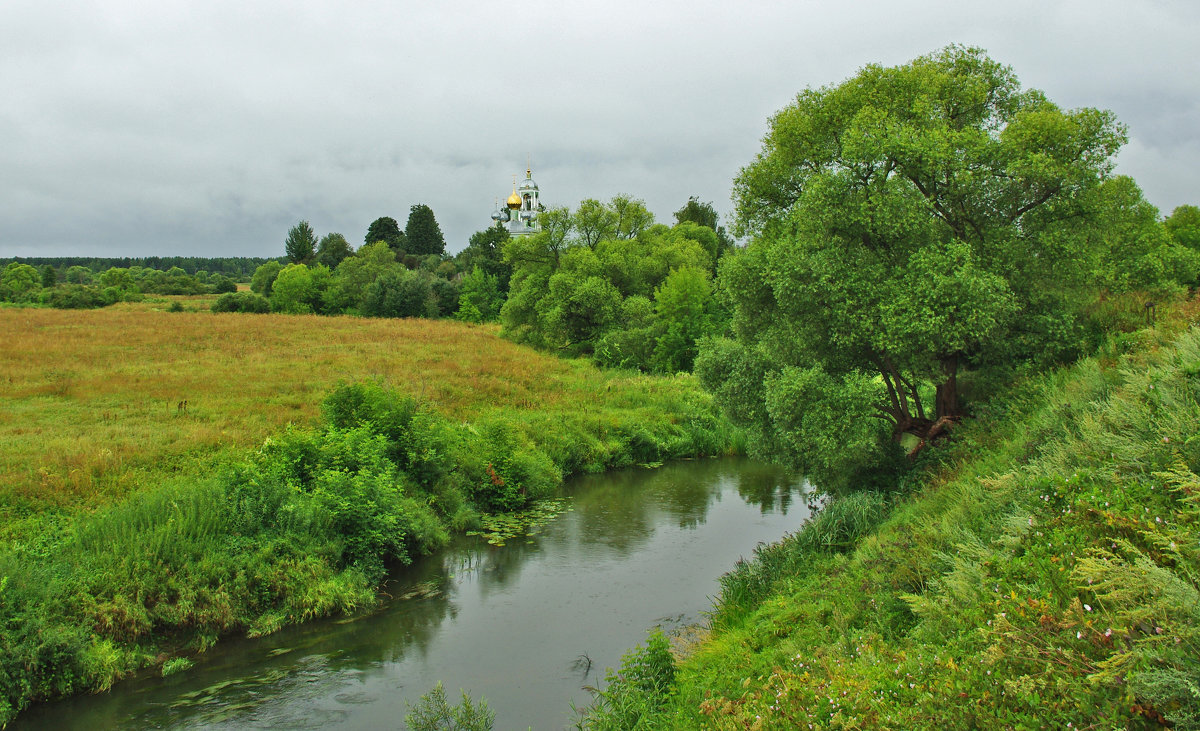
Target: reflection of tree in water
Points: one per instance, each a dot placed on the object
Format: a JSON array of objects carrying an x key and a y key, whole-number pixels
[
  {"x": 770, "y": 487},
  {"x": 619, "y": 510}
]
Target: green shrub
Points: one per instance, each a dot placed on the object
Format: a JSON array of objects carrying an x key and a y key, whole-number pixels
[
  {"x": 634, "y": 695},
  {"x": 241, "y": 302},
  {"x": 75, "y": 297}
]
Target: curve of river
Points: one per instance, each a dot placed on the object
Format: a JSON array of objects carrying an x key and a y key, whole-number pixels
[{"x": 527, "y": 625}]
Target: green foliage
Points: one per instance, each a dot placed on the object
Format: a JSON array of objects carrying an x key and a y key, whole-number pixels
[
  {"x": 176, "y": 665},
  {"x": 910, "y": 223},
  {"x": 485, "y": 249},
  {"x": 298, "y": 289},
  {"x": 583, "y": 284},
  {"x": 301, "y": 243},
  {"x": 19, "y": 282},
  {"x": 352, "y": 277},
  {"x": 423, "y": 233},
  {"x": 304, "y": 526},
  {"x": 78, "y": 274},
  {"x": 479, "y": 297},
  {"x": 264, "y": 278},
  {"x": 241, "y": 302},
  {"x": 1184, "y": 226},
  {"x": 397, "y": 292},
  {"x": 222, "y": 284},
  {"x": 433, "y": 713},
  {"x": 76, "y": 297},
  {"x": 386, "y": 229},
  {"x": 703, "y": 214},
  {"x": 332, "y": 250},
  {"x": 637, "y": 691}
]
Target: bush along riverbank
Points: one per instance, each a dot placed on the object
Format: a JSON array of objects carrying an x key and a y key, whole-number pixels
[
  {"x": 1043, "y": 571},
  {"x": 305, "y": 526}
]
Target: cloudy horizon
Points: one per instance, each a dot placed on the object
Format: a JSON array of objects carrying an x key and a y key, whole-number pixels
[{"x": 208, "y": 129}]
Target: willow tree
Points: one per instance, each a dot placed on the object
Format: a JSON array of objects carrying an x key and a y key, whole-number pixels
[{"x": 905, "y": 223}]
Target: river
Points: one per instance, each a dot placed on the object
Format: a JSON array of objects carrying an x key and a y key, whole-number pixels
[{"x": 527, "y": 625}]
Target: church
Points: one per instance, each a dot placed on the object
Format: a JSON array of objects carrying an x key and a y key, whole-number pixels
[{"x": 519, "y": 214}]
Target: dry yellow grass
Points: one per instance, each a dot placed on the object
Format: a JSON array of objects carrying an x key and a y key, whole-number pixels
[{"x": 95, "y": 403}]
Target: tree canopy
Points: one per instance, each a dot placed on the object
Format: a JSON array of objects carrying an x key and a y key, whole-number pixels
[
  {"x": 907, "y": 223},
  {"x": 332, "y": 250},
  {"x": 386, "y": 229},
  {"x": 606, "y": 281},
  {"x": 301, "y": 243},
  {"x": 423, "y": 232}
]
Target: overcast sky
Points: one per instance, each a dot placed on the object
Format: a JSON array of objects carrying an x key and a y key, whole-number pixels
[{"x": 209, "y": 128}]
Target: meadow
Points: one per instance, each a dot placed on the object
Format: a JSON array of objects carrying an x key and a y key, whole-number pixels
[{"x": 98, "y": 403}]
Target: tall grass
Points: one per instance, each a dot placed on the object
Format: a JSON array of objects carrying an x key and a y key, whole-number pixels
[{"x": 98, "y": 404}]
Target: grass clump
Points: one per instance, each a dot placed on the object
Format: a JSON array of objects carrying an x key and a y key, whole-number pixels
[{"x": 434, "y": 713}]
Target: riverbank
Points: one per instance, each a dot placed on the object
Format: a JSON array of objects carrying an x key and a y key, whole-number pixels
[
  {"x": 1042, "y": 571},
  {"x": 190, "y": 535}
]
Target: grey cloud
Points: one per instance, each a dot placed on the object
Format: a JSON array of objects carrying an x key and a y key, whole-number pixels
[{"x": 210, "y": 128}]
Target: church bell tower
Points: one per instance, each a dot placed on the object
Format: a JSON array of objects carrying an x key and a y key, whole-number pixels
[{"x": 519, "y": 214}]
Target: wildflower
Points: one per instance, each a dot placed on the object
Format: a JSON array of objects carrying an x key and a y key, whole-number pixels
[{"x": 1087, "y": 607}]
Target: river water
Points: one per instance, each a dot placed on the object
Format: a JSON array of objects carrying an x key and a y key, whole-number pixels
[{"x": 528, "y": 625}]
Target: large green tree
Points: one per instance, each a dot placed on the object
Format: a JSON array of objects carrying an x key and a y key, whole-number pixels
[
  {"x": 386, "y": 229},
  {"x": 906, "y": 223},
  {"x": 301, "y": 243},
  {"x": 423, "y": 233},
  {"x": 332, "y": 250}
]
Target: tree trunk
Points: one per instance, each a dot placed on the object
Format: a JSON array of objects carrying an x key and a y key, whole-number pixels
[{"x": 946, "y": 401}]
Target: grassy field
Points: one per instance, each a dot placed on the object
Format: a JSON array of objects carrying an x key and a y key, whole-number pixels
[{"x": 96, "y": 403}]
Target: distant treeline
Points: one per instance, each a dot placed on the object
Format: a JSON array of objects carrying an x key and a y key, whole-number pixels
[{"x": 236, "y": 267}]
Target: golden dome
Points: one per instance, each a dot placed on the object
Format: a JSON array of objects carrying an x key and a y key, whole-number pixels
[{"x": 514, "y": 201}]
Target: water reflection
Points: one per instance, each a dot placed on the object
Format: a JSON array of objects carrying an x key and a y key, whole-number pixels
[{"x": 526, "y": 624}]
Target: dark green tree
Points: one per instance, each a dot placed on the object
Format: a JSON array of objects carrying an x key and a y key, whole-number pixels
[
  {"x": 423, "y": 233},
  {"x": 301, "y": 243},
  {"x": 697, "y": 211},
  {"x": 332, "y": 250},
  {"x": 907, "y": 222},
  {"x": 386, "y": 229}
]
